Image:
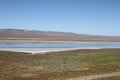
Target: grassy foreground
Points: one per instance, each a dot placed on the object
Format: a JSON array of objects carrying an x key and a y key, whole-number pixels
[{"x": 58, "y": 65}]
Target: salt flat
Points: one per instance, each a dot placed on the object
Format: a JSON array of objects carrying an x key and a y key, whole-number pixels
[{"x": 40, "y": 50}]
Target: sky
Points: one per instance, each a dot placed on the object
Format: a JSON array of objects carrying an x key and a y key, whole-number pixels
[{"x": 95, "y": 17}]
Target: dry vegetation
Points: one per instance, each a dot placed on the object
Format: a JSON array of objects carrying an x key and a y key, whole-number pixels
[{"x": 58, "y": 65}]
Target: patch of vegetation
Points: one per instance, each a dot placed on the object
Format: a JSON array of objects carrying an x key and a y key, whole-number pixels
[{"x": 58, "y": 65}]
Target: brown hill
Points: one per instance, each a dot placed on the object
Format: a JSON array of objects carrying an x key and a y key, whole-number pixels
[{"x": 20, "y": 33}]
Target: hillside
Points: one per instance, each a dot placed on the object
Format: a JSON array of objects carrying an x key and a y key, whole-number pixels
[{"x": 36, "y": 34}]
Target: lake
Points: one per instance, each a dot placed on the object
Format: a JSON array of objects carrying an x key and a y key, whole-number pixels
[
  {"x": 35, "y": 44},
  {"x": 41, "y": 46}
]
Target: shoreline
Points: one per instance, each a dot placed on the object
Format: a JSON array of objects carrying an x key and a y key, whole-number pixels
[
  {"x": 59, "y": 40},
  {"x": 46, "y": 50}
]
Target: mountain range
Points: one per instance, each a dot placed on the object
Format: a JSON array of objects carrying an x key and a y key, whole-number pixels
[{"x": 37, "y": 34}]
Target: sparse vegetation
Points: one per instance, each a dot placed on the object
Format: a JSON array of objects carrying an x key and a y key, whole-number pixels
[{"x": 58, "y": 65}]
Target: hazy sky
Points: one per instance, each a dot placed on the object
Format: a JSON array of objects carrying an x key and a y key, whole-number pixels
[{"x": 98, "y": 17}]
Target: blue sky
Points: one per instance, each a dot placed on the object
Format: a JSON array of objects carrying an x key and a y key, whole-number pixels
[{"x": 97, "y": 17}]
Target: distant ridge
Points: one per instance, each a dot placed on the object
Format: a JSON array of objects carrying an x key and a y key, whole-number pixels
[{"x": 21, "y": 33}]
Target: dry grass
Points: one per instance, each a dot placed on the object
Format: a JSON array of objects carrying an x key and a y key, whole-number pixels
[{"x": 58, "y": 65}]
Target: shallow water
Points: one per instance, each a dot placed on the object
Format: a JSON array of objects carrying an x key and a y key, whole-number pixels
[{"x": 36, "y": 44}]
